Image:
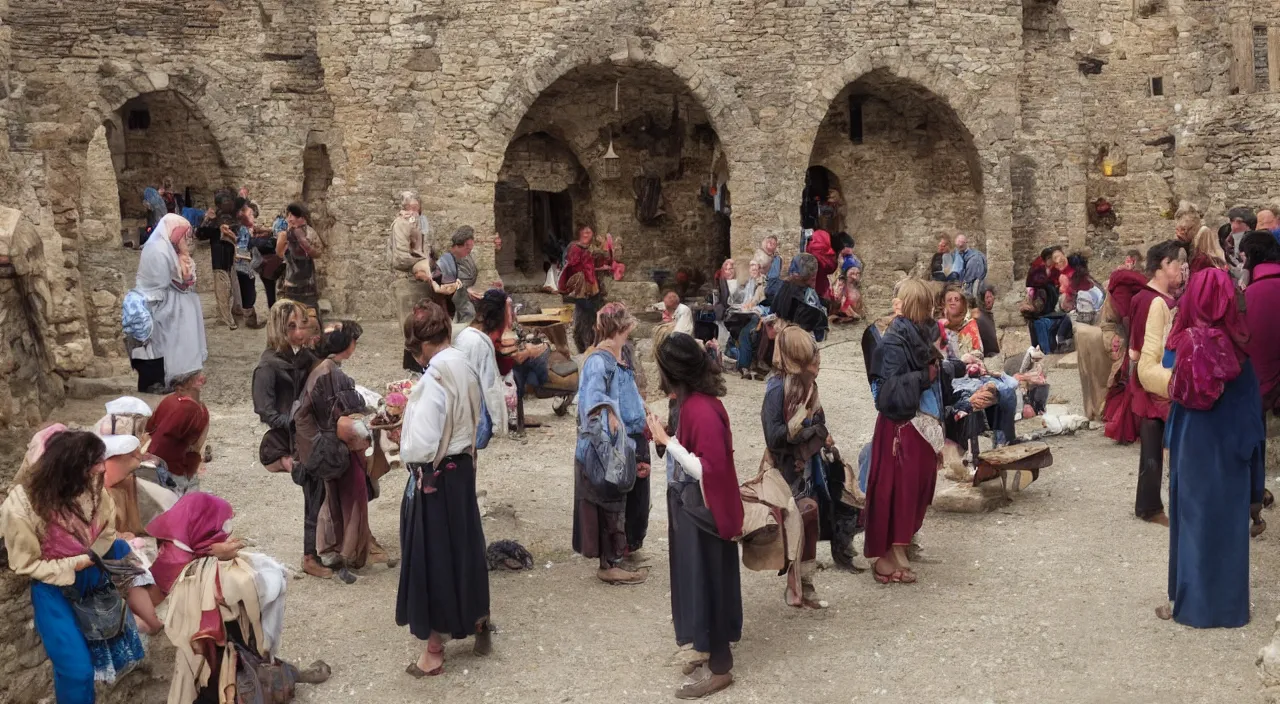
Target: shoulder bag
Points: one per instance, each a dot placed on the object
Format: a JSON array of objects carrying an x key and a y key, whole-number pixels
[{"x": 100, "y": 612}]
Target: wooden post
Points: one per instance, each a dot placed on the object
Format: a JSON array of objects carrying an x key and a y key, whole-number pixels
[
  {"x": 1242, "y": 57},
  {"x": 1273, "y": 56}
]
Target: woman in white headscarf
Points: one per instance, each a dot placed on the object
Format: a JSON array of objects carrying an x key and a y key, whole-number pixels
[{"x": 166, "y": 279}]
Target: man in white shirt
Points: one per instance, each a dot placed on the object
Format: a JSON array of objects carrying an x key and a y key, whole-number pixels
[{"x": 676, "y": 313}]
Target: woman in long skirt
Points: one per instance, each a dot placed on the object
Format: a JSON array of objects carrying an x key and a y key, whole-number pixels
[
  {"x": 1212, "y": 482},
  {"x": 704, "y": 515},
  {"x": 908, "y": 434},
  {"x": 599, "y": 522},
  {"x": 444, "y": 575}
]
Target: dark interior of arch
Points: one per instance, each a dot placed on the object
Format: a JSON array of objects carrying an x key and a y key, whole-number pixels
[
  {"x": 555, "y": 173},
  {"x": 158, "y": 136},
  {"x": 909, "y": 171}
]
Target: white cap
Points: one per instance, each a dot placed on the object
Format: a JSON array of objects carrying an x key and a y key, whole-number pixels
[
  {"x": 119, "y": 445},
  {"x": 128, "y": 406}
]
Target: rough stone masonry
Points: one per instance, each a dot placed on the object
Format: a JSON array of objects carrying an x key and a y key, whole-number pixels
[{"x": 1007, "y": 120}]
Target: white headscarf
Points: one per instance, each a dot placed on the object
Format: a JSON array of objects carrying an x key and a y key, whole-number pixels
[{"x": 177, "y": 315}]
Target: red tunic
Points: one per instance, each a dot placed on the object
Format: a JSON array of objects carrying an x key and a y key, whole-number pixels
[
  {"x": 175, "y": 427},
  {"x": 704, "y": 431},
  {"x": 820, "y": 248},
  {"x": 1144, "y": 403},
  {"x": 579, "y": 261}
]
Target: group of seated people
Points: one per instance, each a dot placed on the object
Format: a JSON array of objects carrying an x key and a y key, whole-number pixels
[
  {"x": 738, "y": 316},
  {"x": 1060, "y": 293},
  {"x": 89, "y": 510}
]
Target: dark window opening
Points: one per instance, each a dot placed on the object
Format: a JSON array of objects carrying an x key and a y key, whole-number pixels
[
  {"x": 855, "y": 119},
  {"x": 1261, "y": 64},
  {"x": 1157, "y": 86},
  {"x": 139, "y": 119}
]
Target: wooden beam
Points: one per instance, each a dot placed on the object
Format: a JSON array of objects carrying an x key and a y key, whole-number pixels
[{"x": 1242, "y": 57}]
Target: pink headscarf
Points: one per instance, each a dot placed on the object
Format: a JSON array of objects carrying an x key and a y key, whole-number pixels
[
  {"x": 36, "y": 446},
  {"x": 177, "y": 228},
  {"x": 196, "y": 522},
  {"x": 1208, "y": 339}
]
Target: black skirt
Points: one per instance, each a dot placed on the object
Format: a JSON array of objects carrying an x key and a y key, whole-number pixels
[
  {"x": 444, "y": 575},
  {"x": 706, "y": 587},
  {"x": 150, "y": 373}
]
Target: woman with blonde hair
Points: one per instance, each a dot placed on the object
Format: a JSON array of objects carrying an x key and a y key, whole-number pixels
[
  {"x": 908, "y": 433},
  {"x": 1206, "y": 252},
  {"x": 795, "y": 431},
  {"x": 606, "y": 388}
]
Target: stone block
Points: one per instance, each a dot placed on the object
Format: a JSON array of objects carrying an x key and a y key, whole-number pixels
[
  {"x": 87, "y": 389},
  {"x": 966, "y": 498},
  {"x": 1067, "y": 361}
]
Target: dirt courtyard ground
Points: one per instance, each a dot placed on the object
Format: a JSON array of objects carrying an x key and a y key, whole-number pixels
[{"x": 1048, "y": 600}]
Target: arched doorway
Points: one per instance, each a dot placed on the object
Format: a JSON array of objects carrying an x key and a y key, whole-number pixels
[
  {"x": 909, "y": 170},
  {"x": 158, "y": 138},
  {"x": 664, "y": 197}
]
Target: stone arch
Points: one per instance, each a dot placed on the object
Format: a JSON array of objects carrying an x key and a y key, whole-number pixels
[
  {"x": 985, "y": 123},
  {"x": 714, "y": 91},
  {"x": 667, "y": 146}
]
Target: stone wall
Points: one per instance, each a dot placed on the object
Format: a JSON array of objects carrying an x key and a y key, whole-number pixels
[
  {"x": 908, "y": 181},
  {"x": 348, "y": 102}
]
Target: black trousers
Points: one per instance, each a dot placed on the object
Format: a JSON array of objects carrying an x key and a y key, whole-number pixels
[
  {"x": 248, "y": 291},
  {"x": 269, "y": 285},
  {"x": 150, "y": 373},
  {"x": 312, "y": 502},
  {"x": 1150, "y": 468}
]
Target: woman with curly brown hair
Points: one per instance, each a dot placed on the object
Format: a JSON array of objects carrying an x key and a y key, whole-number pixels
[
  {"x": 444, "y": 575},
  {"x": 58, "y": 525}
]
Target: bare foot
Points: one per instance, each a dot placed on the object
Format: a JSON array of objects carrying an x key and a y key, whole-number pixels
[{"x": 1159, "y": 519}]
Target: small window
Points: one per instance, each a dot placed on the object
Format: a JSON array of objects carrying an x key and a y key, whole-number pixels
[
  {"x": 139, "y": 119},
  {"x": 1261, "y": 67},
  {"x": 855, "y": 119},
  {"x": 1157, "y": 85}
]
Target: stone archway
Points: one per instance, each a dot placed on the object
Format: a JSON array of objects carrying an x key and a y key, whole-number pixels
[
  {"x": 665, "y": 141},
  {"x": 714, "y": 94},
  {"x": 148, "y": 138},
  {"x": 978, "y": 124},
  {"x": 909, "y": 168}
]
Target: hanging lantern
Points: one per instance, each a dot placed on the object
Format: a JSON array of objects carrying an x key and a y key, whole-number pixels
[{"x": 611, "y": 166}]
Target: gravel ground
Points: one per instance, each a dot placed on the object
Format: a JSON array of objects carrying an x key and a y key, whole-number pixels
[{"x": 1047, "y": 600}]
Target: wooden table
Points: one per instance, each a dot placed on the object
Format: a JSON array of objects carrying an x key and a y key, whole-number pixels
[{"x": 1023, "y": 457}]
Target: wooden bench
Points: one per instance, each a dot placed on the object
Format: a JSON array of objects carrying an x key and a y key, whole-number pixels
[{"x": 1029, "y": 457}]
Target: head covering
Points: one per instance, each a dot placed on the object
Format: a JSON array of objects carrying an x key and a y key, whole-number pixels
[
  {"x": 187, "y": 531},
  {"x": 1208, "y": 339},
  {"x": 175, "y": 228},
  {"x": 820, "y": 244},
  {"x": 119, "y": 445},
  {"x": 1123, "y": 285},
  {"x": 128, "y": 406}
]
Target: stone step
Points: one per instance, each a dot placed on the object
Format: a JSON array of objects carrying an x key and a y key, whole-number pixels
[{"x": 88, "y": 389}]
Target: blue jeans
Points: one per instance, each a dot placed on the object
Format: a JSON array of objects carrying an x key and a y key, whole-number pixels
[
  {"x": 746, "y": 352},
  {"x": 531, "y": 371}
]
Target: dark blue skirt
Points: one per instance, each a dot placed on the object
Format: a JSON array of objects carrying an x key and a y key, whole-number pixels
[{"x": 1215, "y": 472}]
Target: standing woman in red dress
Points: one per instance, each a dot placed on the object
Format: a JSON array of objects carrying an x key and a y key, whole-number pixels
[
  {"x": 908, "y": 434},
  {"x": 580, "y": 284}
]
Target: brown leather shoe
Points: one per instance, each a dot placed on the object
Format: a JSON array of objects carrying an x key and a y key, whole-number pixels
[
  {"x": 703, "y": 683},
  {"x": 311, "y": 565}
]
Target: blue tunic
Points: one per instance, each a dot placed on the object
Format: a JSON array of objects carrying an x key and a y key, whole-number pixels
[{"x": 1215, "y": 472}]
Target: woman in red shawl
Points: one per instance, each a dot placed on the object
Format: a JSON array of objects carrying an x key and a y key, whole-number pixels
[
  {"x": 579, "y": 283},
  {"x": 704, "y": 515},
  {"x": 1212, "y": 483},
  {"x": 1124, "y": 284},
  {"x": 194, "y": 527},
  {"x": 820, "y": 248},
  {"x": 1262, "y": 297}
]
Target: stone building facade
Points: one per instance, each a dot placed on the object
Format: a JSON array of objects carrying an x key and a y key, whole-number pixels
[{"x": 1008, "y": 120}]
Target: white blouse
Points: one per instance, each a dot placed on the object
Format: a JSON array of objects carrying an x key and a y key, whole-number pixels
[{"x": 424, "y": 414}]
